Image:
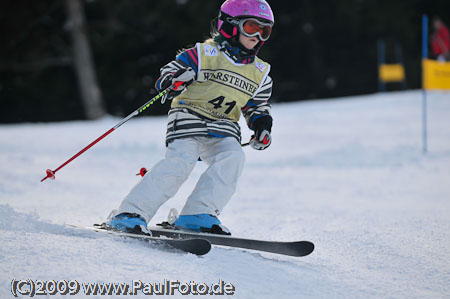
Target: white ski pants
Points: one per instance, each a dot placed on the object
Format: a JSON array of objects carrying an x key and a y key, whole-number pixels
[{"x": 225, "y": 159}]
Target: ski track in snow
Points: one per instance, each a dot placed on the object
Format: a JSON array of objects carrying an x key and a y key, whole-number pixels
[{"x": 347, "y": 174}]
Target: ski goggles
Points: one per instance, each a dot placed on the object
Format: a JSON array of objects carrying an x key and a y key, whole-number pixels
[{"x": 254, "y": 27}]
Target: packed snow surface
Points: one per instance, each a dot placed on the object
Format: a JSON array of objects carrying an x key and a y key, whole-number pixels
[{"x": 347, "y": 174}]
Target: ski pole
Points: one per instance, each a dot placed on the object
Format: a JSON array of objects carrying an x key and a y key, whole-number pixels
[{"x": 51, "y": 173}]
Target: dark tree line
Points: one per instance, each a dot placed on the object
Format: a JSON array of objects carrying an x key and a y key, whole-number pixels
[{"x": 318, "y": 49}]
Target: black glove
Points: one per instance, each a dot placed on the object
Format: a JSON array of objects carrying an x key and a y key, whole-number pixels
[
  {"x": 182, "y": 75},
  {"x": 262, "y": 128}
]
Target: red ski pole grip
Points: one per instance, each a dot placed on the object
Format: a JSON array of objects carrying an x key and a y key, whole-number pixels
[{"x": 177, "y": 84}]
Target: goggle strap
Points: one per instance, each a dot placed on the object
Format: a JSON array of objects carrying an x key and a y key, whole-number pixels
[{"x": 225, "y": 34}]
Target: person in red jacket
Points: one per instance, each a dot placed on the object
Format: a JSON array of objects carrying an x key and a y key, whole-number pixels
[{"x": 440, "y": 40}]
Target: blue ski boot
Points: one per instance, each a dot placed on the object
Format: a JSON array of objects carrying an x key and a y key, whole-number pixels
[
  {"x": 201, "y": 223},
  {"x": 129, "y": 223}
]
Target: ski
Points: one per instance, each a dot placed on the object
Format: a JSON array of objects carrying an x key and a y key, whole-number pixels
[
  {"x": 295, "y": 248},
  {"x": 197, "y": 246}
]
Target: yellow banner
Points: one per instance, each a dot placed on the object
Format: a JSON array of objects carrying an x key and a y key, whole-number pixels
[
  {"x": 391, "y": 72},
  {"x": 435, "y": 74}
]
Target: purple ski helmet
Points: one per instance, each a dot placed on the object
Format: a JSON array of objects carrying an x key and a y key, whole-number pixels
[{"x": 242, "y": 9}]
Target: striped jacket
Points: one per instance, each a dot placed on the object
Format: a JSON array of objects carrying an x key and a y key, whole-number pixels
[{"x": 184, "y": 122}]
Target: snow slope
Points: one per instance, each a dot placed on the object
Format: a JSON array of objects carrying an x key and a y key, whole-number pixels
[{"x": 347, "y": 174}]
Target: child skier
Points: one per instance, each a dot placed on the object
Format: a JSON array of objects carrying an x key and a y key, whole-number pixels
[{"x": 222, "y": 78}]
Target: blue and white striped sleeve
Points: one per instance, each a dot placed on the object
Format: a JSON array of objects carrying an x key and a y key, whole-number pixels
[
  {"x": 258, "y": 106},
  {"x": 187, "y": 58}
]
